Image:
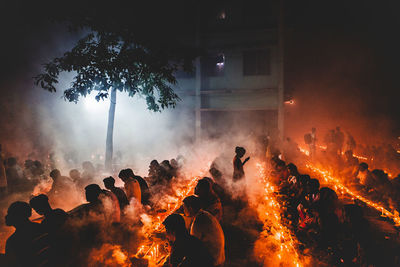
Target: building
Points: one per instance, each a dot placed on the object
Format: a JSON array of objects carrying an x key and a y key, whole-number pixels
[{"x": 238, "y": 80}]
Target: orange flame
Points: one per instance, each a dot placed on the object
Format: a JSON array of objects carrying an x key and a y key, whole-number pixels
[{"x": 276, "y": 238}]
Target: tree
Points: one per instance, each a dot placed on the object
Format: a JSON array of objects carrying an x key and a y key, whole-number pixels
[{"x": 106, "y": 62}]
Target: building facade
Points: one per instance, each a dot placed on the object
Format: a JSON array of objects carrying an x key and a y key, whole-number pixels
[{"x": 238, "y": 81}]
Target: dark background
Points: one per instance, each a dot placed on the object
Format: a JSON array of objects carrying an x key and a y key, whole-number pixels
[{"x": 341, "y": 63}]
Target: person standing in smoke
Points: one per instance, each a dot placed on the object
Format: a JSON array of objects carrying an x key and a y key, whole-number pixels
[
  {"x": 238, "y": 172},
  {"x": 339, "y": 140}
]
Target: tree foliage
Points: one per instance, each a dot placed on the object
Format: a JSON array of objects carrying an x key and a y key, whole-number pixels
[
  {"x": 121, "y": 53},
  {"x": 103, "y": 61}
]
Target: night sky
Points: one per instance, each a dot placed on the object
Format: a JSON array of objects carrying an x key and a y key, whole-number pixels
[{"x": 345, "y": 54}]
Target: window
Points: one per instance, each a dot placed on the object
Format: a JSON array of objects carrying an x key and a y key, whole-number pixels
[
  {"x": 257, "y": 62},
  {"x": 214, "y": 65}
]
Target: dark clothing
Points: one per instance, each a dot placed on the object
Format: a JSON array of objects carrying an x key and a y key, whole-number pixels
[
  {"x": 28, "y": 246},
  {"x": 238, "y": 172},
  {"x": 121, "y": 196},
  {"x": 54, "y": 220},
  {"x": 188, "y": 251},
  {"x": 144, "y": 189}
]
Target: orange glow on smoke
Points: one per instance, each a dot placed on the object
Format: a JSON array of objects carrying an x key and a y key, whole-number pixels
[
  {"x": 155, "y": 250},
  {"x": 276, "y": 245},
  {"x": 342, "y": 189}
]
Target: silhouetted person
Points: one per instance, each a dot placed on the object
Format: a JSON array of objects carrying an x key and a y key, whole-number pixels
[
  {"x": 14, "y": 175},
  {"x": 339, "y": 140},
  {"x": 54, "y": 219},
  {"x": 62, "y": 185},
  {"x": 310, "y": 139},
  {"x": 186, "y": 250},
  {"x": 28, "y": 245},
  {"x": 154, "y": 172},
  {"x": 131, "y": 185},
  {"x": 365, "y": 176},
  {"x": 89, "y": 171},
  {"x": 55, "y": 224},
  {"x": 238, "y": 172},
  {"x": 109, "y": 183},
  {"x": 166, "y": 170},
  {"x": 206, "y": 227},
  {"x": 209, "y": 200},
  {"x": 111, "y": 206}
]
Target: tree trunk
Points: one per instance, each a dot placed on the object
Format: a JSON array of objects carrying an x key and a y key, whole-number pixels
[{"x": 110, "y": 131}]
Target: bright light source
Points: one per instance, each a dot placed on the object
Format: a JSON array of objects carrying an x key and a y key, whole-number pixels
[
  {"x": 92, "y": 105},
  {"x": 220, "y": 61},
  {"x": 290, "y": 102},
  {"x": 222, "y": 15}
]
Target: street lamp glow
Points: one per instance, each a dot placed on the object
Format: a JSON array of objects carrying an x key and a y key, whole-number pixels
[{"x": 92, "y": 105}]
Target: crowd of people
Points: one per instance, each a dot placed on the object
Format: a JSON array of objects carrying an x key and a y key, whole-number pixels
[
  {"x": 334, "y": 232},
  {"x": 66, "y": 238},
  {"x": 201, "y": 231}
]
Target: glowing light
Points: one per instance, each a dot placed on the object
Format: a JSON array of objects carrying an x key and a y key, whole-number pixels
[
  {"x": 92, "y": 105},
  {"x": 290, "y": 102},
  {"x": 276, "y": 236}
]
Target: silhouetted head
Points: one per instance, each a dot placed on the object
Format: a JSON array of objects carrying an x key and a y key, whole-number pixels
[
  {"x": 40, "y": 204},
  {"x": 313, "y": 186},
  {"x": 109, "y": 182},
  {"x": 240, "y": 151},
  {"x": 280, "y": 165},
  {"x": 92, "y": 192},
  {"x": 328, "y": 200},
  {"x": 202, "y": 188},
  {"x": 174, "y": 163},
  {"x": 174, "y": 226},
  {"x": 292, "y": 169},
  {"x": 313, "y": 130},
  {"x": 74, "y": 174},
  {"x": 55, "y": 174},
  {"x": 363, "y": 166},
  {"x": 28, "y": 163},
  {"x": 191, "y": 206},
  {"x": 303, "y": 180},
  {"x": 88, "y": 166},
  {"x": 338, "y": 128},
  {"x": 165, "y": 164},
  {"x": 154, "y": 163},
  {"x": 215, "y": 173},
  {"x": 18, "y": 213},
  {"x": 11, "y": 162},
  {"x": 125, "y": 174}
]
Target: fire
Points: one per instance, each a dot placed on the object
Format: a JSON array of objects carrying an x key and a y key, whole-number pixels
[
  {"x": 328, "y": 178},
  {"x": 155, "y": 250},
  {"x": 342, "y": 189},
  {"x": 276, "y": 245}
]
